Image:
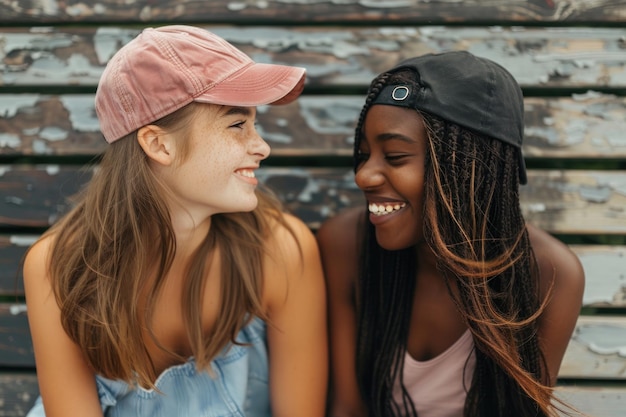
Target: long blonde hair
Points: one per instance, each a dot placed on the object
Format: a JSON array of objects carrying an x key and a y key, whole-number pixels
[{"x": 118, "y": 233}]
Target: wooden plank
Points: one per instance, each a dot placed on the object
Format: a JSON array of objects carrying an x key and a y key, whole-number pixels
[
  {"x": 15, "y": 343},
  {"x": 605, "y": 272},
  {"x": 595, "y": 401},
  {"x": 572, "y": 57},
  {"x": 576, "y": 202},
  {"x": 12, "y": 249},
  {"x": 596, "y": 350},
  {"x": 39, "y": 193},
  {"x": 559, "y": 201},
  {"x": 306, "y": 12},
  {"x": 19, "y": 391},
  {"x": 580, "y": 126},
  {"x": 604, "y": 265}
]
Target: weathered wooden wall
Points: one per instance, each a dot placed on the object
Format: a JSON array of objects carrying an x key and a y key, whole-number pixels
[
  {"x": 569, "y": 56},
  {"x": 315, "y": 11}
]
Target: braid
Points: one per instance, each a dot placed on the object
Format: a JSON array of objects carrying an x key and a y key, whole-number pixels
[
  {"x": 384, "y": 309},
  {"x": 474, "y": 224},
  {"x": 376, "y": 85}
]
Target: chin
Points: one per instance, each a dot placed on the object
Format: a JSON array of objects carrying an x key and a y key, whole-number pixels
[
  {"x": 243, "y": 206},
  {"x": 395, "y": 242}
]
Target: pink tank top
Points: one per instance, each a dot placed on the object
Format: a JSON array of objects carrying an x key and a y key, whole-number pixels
[{"x": 438, "y": 386}]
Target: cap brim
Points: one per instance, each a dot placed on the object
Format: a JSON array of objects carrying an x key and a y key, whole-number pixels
[{"x": 256, "y": 85}]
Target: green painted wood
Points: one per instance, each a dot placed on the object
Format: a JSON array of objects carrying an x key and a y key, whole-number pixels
[
  {"x": 19, "y": 390},
  {"x": 604, "y": 265},
  {"x": 578, "y": 126},
  {"x": 335, "y": 56},
  {"x": 559, "y": 201},
  {"x": 595, "y": 401},
  {"x": 12, "y": 250},
  {"x": 596, "y": 350},
  {"x": 314, "y": 11}
]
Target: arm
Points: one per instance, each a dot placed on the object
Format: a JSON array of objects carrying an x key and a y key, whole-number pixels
[
  {"x": 338, "y": 244},
  {"x": 563, "y": 282},
  {"x": 66, "y": 384},
  {"x": 295, "y": 299}
]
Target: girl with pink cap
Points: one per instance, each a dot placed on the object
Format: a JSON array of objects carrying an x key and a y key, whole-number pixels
[{"x": 175, "y": 287}]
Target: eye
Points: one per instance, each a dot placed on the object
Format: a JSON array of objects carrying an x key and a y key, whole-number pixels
[
  {"x": 239, "y": 125},
  {"x": 395, "y": 158}
]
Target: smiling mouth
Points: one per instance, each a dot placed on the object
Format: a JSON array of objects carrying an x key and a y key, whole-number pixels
[
  {"x": 248, "y": 173},
  {"x": 384, "y": 209}
]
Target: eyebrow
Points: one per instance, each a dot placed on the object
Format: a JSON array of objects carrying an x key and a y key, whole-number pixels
[
  {"x": 385, "y": 137},
  {"x": 243, "y": 111}
]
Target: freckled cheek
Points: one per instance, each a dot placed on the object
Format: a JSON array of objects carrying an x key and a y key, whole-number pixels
[{"x": 221, "y": 162}]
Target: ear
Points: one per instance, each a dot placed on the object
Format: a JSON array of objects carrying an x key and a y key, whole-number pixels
[{"x": 157, "y": 144}]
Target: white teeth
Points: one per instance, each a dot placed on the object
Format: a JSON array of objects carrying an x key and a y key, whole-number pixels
[
  {"x": 383, "y": 209},
  {"x": 246, "y": 173}
]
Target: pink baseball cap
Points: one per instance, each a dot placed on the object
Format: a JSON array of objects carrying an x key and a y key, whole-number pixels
[{"x": 163, "y": 69}]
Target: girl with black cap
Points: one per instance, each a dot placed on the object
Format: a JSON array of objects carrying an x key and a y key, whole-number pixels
[{"x": 443, "y": 302}]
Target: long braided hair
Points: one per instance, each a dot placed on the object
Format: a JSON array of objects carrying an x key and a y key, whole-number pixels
[{"x": 474, "y": 226}]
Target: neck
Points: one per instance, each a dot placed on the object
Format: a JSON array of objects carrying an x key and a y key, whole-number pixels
[{"x": 189, "y": 230}]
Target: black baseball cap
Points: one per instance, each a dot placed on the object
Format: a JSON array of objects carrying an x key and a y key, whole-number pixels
[{"x": 465, "y": 89}]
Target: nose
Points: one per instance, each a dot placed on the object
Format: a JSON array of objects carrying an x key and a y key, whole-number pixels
[
  {"x": 259, "y": 147},
  {"x": 368, "y": 175}
]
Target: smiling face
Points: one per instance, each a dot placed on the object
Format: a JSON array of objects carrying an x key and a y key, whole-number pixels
[
  {"x": 220, "y": 153},
  {"x": 390, "y": 172}
]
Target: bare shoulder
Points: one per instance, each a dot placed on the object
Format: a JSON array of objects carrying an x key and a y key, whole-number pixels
[
  {"x": 36, "y": 261},
  {"x": 558, "y": 262},
  {"x": 339, "y": 240},
  {"x": 562, "y": 282},
  {"x": 290, "y": 237},
  {"x": 340, "y": 234},
  {"x": 290, "y": 249}
]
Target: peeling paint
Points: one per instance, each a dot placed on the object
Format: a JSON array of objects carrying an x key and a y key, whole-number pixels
[
  {"x": 82, "y": 112},
  {"x": 31, "y": 132},
  {"x": 331, "y": 115},
  {"x": 607, "y": 271},
  {"x": 535, "y": 207},
  {"x": 16, "y": 201},
  {"x": 547, "y": 135},
  {"x": 52, "y": 169},
  {"x": 603, "y": 339},
  {"x": 307, "y": 193},
  {"x": 341, "y": 44},
  {"x": 107, "y": 41},
  {"x": 389, "y": 4},
  {"x": 34, "y": 42},
  {"x": 274, "y": 137},
  {"x": 53, "y": 134},
  {"x": 236, "y": 6},
  {"x": 41, "y": 147},
  {"x": 616, "y": 184},
  {"x": 8, "y": 140},
  {"x": 23, "y": 240},
  {"x": 10, "y": 105},
  {"x": 16, "y": 309}
]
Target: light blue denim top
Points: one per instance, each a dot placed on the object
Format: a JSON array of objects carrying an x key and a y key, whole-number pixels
[{"x": 238, "y": 388}]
